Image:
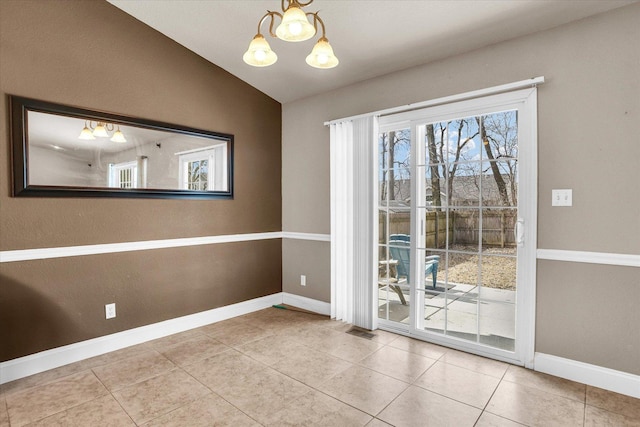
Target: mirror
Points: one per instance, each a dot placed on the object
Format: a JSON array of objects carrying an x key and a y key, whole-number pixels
[{"x": 65, "y": 151}]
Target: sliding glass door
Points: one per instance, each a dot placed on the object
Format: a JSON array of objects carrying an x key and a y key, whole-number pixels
[{"x": 454, "y": 265}]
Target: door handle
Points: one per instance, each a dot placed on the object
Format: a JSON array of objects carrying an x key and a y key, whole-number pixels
[{"x": 518, "y": 232}]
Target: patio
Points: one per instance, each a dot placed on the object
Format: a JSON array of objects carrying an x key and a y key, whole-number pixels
[{"x": 489, "y": 319}]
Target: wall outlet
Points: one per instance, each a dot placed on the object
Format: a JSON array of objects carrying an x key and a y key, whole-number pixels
[
  {"x": 562, "y": 197},
  {"x": 110, "y": 310},
  {"x": 303, "y": 280}
]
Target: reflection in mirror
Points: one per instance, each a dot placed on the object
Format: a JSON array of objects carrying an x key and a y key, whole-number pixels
[{"x": 88, "y": 153}]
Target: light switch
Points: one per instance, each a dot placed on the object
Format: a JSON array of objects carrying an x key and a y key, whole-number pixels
[{"x": 562, "y": 197}]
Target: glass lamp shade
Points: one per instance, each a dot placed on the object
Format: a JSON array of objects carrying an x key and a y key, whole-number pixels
[
  {"x": 118, "y": 136},
  {"x": 100, "y": 131},
  {"x": 86, "y": 134},
  {"x": 295, "y": 27},
  {"x": 259, "y": 53},
  {"x": 322, "y": 55}
]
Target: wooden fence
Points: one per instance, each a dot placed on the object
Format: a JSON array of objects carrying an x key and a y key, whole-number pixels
[{"x": 464, "y": 227}]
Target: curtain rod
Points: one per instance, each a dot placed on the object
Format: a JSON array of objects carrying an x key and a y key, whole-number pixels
[{"x": 447, "y": 99}]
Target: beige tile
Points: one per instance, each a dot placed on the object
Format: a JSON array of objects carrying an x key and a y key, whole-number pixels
[
  {"x": 159, "y": 395},
  {"x": 210, "y": 410},
  {"x": 4, "y": 415},
  {"x": 130, "y": 371},
  {"x": 161, "y": 343},
  {"x": 488, "y": 419},
  {"x": 475, "y": 363},
  {"x": 221, "y": 368},
  {"x": 42, "y": 378},
  {"x": 116, "y": 356},
  {"x": 384, "y": 337},
  {"x": 298, "y": 331},
  {"x": 237, "y": 334},
  {"x": 377, "y": 423},
  {"x": 317, "y": 409},
  {"x": 419, "y": 407},
  {"x": 596, "y": 417},
  {"x": 534, "y": 407},
  {"x": 313, "y": 336},
  {"x": 313, "y": 318},
  {"x": 613, "y": 402},
  {"x": 463, "y": 385},
  {"x": 219, "y": 327},
  {"x": 364, "y": 389},
  {"x": 260, "y": 394},
  {"x": 398, "y": 363},
  {"x": 544, "y": 382},
  {"x": 41, "y": 401},
  {"x": 310, "y": 366},
  {"x": 337, "y": 326},
  {"x": 270, "y": 350},
  {"x": 422, "y": 348},
  {"x": 352, "y": 349},
  {"x": 194, "y": 349},
  {"x": 265, "y": 315},
  {"x": 104, "y": 411}
]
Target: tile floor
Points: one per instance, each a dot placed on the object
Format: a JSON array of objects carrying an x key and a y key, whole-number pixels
[{"x": 287, "y": 368}]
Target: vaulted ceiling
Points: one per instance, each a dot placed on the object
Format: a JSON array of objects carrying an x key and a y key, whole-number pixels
[{"x": 370, "y": 37}]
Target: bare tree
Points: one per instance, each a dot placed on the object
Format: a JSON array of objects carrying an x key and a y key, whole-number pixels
[
  {"x": 395, "y": 171},
  {"x": 502, "y": 134},
  {"x": 495, "y": 170},
  {"x": 435, "y": 170}
]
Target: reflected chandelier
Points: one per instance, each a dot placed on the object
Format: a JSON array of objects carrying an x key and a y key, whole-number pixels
[
  {"x": 294, "y": 27},
  {"x": 101, "y": 130}
]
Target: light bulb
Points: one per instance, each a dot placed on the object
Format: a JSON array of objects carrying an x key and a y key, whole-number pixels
[
  {"x": 295, "y": 28},
  {"x": 322, "y": 55},
  {"x": 118, "y": 136},
  {"x": 100, "y": 131},
  {"x": 260, "y": 55},
  {"x": 86, "y": 134}
]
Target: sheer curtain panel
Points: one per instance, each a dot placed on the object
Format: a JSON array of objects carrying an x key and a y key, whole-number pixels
[{"x": 352, "y": 213}]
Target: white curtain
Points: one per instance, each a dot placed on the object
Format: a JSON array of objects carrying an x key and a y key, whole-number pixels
[{"x": 353, "y": 270}]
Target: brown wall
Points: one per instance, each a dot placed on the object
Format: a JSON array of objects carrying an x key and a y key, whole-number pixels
[{"x": 92, "y": 55}]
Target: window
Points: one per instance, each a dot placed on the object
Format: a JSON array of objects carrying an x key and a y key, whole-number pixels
[
  {"x": 123, "y": 175},
  {"x": 203, "y": 169}
]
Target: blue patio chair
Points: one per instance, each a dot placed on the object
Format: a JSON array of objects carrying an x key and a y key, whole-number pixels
[{"x": 400, "y": 251}]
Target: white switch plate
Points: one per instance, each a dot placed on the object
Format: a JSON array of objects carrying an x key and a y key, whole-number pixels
[
  {"x": 303, "y": 280},
  {"x": 110, "y": 310},
  {"x": 562, "y": 197}
]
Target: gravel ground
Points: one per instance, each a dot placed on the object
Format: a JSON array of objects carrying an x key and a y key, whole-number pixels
[{"x": 497, "y": 272}]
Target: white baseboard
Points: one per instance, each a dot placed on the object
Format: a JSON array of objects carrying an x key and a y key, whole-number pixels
[
  {"x": 305, "y": 303},
  {"x": 597, "y": 376},
  {"x": 54, "y": 358}
]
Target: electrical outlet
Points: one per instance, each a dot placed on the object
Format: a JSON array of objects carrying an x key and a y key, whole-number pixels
[
  {"x": 110, "y": 310},
  {"x": 562, "y": 197},
  {"x": 303, "y": 280}
]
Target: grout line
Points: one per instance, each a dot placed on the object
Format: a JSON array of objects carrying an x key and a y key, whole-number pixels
[{"x": 213, "y": 392}]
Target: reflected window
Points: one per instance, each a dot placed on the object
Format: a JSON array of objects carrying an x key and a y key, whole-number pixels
[
  {"x": 123, "y": 175},
  {"x": 203, "y": 169}
]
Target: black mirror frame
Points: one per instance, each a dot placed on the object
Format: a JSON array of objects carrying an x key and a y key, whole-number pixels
[{"x": 18, "y": 109}]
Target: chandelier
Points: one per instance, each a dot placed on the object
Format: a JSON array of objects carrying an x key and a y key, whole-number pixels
[
  {"x": 101, "y": 130},
  {"x": 294, "y": 27}
]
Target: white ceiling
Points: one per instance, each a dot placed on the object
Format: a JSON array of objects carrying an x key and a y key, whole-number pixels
[{"x": 370, "y": 37}]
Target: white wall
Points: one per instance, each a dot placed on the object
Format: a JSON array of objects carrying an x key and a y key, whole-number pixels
[{"x": 52, "y": 167}]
